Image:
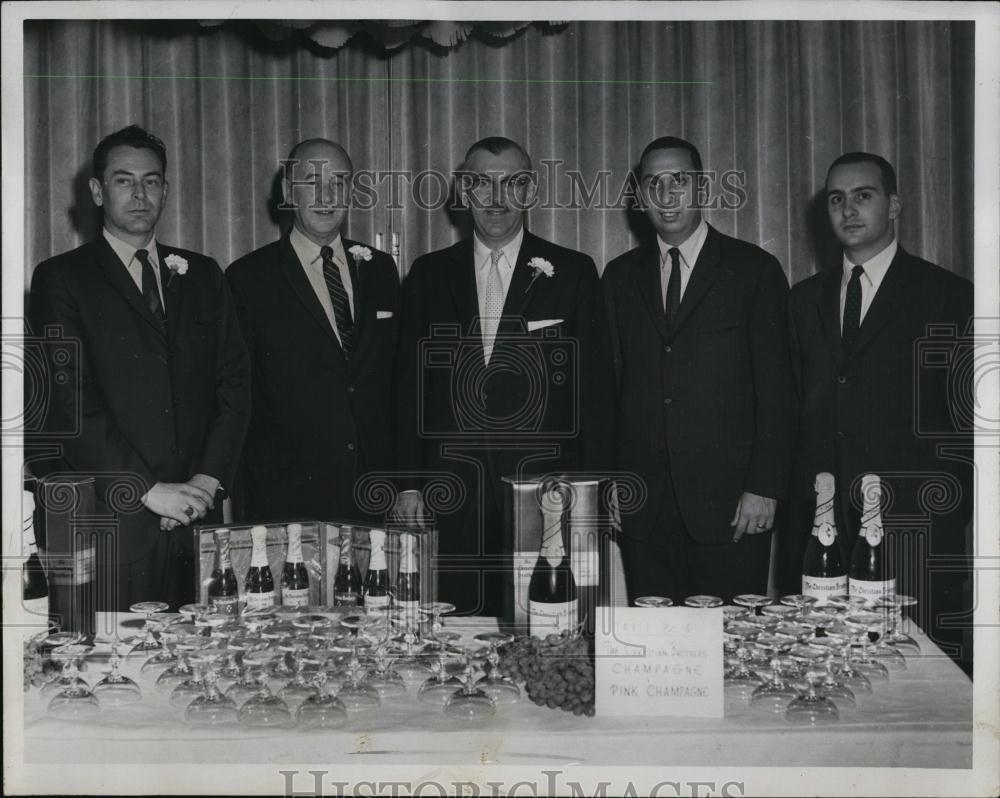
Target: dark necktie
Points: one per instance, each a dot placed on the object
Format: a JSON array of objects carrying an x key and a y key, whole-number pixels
[
  {"x": 673, "y": 285},
  {"x": 150, "y": 293},
  {"x": 852, "y": 310},
  {"x": 338, "y": 296}
]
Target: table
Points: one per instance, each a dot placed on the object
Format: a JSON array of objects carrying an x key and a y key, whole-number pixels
[{"x": 921, "y": 718}]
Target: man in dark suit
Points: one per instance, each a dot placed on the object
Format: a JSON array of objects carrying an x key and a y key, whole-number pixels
[
  {"x": 877, "y": 347},
  {"x": 500, "y": 372},
  {"x": 705, "y": 392},
  {"x": 319, "y": 314},
  {"x": 162, "y": 371}
]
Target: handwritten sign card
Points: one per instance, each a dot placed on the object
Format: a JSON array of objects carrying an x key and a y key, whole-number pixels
[{"x": 659, "y": 662}]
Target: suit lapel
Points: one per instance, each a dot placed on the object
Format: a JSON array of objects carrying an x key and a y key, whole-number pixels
[
  {"x": 650, "y": 289},
  {"x": 116, "y": 273},
  {"x": 829, "y": 314},
  {"x": 295, "y": 274},
  {"x": 886, "y": 302},
  {"x": 523, "y": 286},
  {"x": 703, "y": 276},
  {"x": 461, "y": 277},
  {"x": 172, "y": 292}
]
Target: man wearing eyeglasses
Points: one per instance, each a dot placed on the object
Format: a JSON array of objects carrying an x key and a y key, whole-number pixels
[
  {"x": 503, "y": 370},
  {"x": 705, "y": 392},
  {"x": 319, "y": 313}
]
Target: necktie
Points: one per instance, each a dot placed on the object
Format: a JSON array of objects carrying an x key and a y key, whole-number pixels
[
  {"x": 494, "y": 304},
  {"x": 852, "y": 310},
  {"x": 338, "y": 296},
  {"x": 150, "y": 293},
  {"x": 673, "y": 301}
]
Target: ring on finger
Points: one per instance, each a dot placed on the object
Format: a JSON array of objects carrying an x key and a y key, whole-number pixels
[{"x": 189, "y": 512}]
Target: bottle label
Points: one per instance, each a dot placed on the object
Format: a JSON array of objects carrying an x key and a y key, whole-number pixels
[
  {"x": 258, "y": 558},
  {"x": 376, "y": 538},
  {"x": 225, "y": 605},
  {"x": 822, "y": 587},
  {"x": 346, "y": 600},
  {"x": 827, "y": 533},
  {"x": 872, "y": 590},
  {"x": 295, "y": 598},
  {"x": 294, "y": 543},
  {"x": 873, "y": 534},
  {"x": 377, "y": 601},
  {"x": 546, "y": 619},
  {"x": 258, "y": 601}
]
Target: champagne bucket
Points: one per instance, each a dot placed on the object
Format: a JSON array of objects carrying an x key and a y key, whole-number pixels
[{"x": 587, "y": 518}]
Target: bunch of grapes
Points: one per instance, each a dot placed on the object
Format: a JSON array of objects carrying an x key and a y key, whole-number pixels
[
  {"x": 557, "y": 671},
  {"x": 37, "y": 670}
]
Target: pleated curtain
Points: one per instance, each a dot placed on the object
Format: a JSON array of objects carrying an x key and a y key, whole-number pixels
[{"x": 774, "y": 102}]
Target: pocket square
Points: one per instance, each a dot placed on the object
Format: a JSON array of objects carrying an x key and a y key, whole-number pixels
[
  {"x": 383, "y": 314},
  {"x": 537, "y": 325}
]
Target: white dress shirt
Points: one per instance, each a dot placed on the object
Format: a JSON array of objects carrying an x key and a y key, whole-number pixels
[
  {"x": 689, "y": 252},
  {"x": 874, "y": 273},
  {"x": 309, "y": 256},
  {"x": 126, "y": 254},
  {"x": 508, "y": 260}
]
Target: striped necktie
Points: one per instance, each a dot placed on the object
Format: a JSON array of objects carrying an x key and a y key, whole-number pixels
[{"x": 338, "y": 297}]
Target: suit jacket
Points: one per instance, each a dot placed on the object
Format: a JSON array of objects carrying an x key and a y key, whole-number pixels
[
  {"x": 320, "y": 420},
  {"x": 887, "y": 406},
  {"x": 709, "y": 399},
  {"x": 149, "y": 404},
  {"x": 541, "y": 404}
]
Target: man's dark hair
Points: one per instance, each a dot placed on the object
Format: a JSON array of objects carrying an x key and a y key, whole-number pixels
[
  {"x": 673, "y": 143},
  {"x": 888, "y": 173},
  {"x": 495, "y": 145},
  {"x": 131, "y": 136}
]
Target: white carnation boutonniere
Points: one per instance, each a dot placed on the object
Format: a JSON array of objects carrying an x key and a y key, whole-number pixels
[
  {"x": 177, "y": 265},
  {"x": 360, "y": 253},
  {"x": 539, "y": 266}
]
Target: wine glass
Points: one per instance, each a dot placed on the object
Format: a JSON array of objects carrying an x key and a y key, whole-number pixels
[
  {"x": 66, "y": 653},
  {"x": 703, "y": 602},
  {"x": 436, "y": 609},
  {"x": 853, "y": 678},
  {"x": 148, "y": 643},
  {"x": 74, "y": 700},
  {"x": 263, "y": 708},
  {"x": 812, "y": 708},
  {"x": 752, "y": 601},
  {"x": 181, "y": 669},
  {"x": 321, "y": 710},
  {"x": 740, "y": 680},
  {"x": 500, "y": 688},
  {"x": 653, "y": 601},
  {"x": 731, "y": 613},
  {"x": 438, "y": 688},
  {"x": 894, "y": 635},
  {"x": 355, "y": 695},
  {"x": 469, "y": 702},
  {"x": 116, "y": 689},
  {"x": 211, "y": 708},
  {"x": 867, "y": 625},
  {"x": 410, "y": 665},
  {"x": 775, "y": 695},
  {"x": 799, "y": 601},
  {"x": 299, "y": 688},
  {"x": 834, "y": 688},
  {"x": 188, "y": 689}
]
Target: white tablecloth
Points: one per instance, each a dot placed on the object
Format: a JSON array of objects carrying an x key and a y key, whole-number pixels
[{"x": 921, "y": 718}]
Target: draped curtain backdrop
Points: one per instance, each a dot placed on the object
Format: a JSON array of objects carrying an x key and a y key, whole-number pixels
[{"x": 777, "y": 101}]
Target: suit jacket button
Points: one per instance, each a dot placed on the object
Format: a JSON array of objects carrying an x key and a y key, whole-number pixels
[
  {"x": 668, "y": 401},
  {"x": 350, "y": 447},
  {"x": 668, "y": 349},
  {"x": 842, "y": 380},
  {"x": 840, "y": 434},
  {"x": 350, "y": 389}
]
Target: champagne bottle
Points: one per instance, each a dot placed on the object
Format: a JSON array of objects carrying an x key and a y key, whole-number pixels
[
  {"x": 294, "y": 577},
  {"x": 259, "y": 584},
  {"x": 34, "y": 584},
  {"x": 377, "y": 578},
  {"x": 408, "y": 582},
  {"x": 823, "y": 571},
  {"x": 347, "y": 588},
  {"x": 869, "y": 573},
  {"x": 223, "y": 592},
  {"x": 552, "y": 601}
]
